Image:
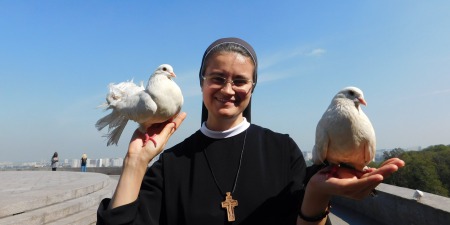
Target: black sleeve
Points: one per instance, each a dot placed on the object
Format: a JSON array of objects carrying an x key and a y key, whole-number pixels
[
  {"x": 145, "y": 210},
  {"x": 121, "y": 215},
  {"x": 310, "y": 171}
]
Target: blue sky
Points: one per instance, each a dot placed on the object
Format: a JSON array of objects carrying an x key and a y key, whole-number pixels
[{"x": 57, "y": 58}]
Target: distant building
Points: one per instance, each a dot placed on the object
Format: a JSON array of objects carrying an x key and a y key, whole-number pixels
[
  {"x": 307, "y": 155},
  {"x": 98, "y": 163},
  {"x": 6, "y": 165},
  {"x": 106, "y": 162},
  {"x": 117, "y": 162},
  {"x": 91, "y": 163},
  {"x": 67, "y": 163},
  {"x": 75, "y": 163}
]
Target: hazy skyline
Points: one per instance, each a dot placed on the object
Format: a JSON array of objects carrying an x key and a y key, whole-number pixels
[{"x": 58, "y": 57}]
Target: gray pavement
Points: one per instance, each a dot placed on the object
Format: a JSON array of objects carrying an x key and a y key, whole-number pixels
[
  {"x": 46, "y": 197},
  {"x": 27, "y": 190},
  {"x": 62, "y": 197}
]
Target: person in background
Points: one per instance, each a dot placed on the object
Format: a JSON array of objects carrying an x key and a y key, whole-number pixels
[
  {"x": 83, "y": 162},
  {"x": 54, "y": 161}
]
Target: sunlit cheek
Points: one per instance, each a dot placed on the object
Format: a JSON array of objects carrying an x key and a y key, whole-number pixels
[
  {"x": 202, "y": 86},
  {"x": 245, "y": 97}
]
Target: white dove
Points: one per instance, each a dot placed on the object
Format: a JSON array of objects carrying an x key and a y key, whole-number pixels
[
  {"x": 344, "y": 134},
  {"x": 160, "y": 101}
]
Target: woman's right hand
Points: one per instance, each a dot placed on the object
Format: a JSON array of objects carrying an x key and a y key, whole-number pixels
[
  {"x": 162, "y": 131},
  {"x": 137, "y": 159}
]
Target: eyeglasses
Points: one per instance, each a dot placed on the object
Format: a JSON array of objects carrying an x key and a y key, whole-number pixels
[{"x": 237, "y": 84}]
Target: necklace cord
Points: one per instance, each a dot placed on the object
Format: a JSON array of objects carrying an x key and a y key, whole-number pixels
[{"x": 237, "y": 173}]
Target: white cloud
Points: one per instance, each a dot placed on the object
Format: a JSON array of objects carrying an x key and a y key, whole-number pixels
[
  {"x": 268, "y": 61},
  {"x": 272, "y": 66},
  {"x": 317, "y": 52},
  {"x": 439, "y": 92}
]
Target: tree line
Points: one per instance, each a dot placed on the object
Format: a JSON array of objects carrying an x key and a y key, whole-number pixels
[{"x": 427, "y": 170}]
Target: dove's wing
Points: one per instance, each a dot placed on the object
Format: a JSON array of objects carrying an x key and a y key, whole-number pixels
[
  {"x": 120, "y": 94},
  {"x": 117, "y": 94},
  {"x": 320, "y": 149},
  {"x": 368, "y": 133},
  {"x": 122, "y": 98},
  {"x": 138, "y": 107},
  {"x": 168, "y": 97}
]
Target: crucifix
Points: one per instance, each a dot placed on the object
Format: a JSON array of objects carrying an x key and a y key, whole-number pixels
[{"x": 229, "y": 204}]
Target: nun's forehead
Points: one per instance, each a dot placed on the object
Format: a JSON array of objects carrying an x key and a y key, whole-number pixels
[
  {"x": 248, "y": 49},
  {"x": 244, "y": 48}
]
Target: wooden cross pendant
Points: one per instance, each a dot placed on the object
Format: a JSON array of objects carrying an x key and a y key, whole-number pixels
[{"x": 229, "y": 204}]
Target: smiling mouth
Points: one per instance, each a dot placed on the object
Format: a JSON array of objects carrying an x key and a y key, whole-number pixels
[{"x": 223, "y": 100}]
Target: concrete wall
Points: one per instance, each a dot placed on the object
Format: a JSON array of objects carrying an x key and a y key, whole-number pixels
[
  {"x": 104, "y": 170},
  {"x": 395, "y": 205}
]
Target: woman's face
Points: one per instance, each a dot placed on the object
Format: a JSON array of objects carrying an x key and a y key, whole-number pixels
[{"x": 225, "y": 103}]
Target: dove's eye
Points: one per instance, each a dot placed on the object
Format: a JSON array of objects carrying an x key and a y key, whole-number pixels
[
  {"x": 352, "y": 93},
  {"x": 164, "y": 69}
]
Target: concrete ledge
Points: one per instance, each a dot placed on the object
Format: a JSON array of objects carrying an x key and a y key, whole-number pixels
[
  {"x": 395, "y": 205},
  {"x": 88, "y": 216},
  {"x": 103, "y": 170},
  {"x": 87, "y": 213},
  {"x": 45, "y": 197}
]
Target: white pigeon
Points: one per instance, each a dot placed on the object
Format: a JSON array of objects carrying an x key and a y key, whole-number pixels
[
  {"x": 344, "y": 134},
  {"x": 160, "y": 101}
]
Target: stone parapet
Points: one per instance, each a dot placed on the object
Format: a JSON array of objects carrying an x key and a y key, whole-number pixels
[
  {"x": 45, "y": 197},
  {"x": 396, "y": 205}
]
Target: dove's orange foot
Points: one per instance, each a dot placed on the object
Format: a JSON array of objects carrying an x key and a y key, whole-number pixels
[
  {"x": 149, "y": 138},
  {"x": 174, "y": 125},
  {"x": 333, "y": 171},
  {"x": 328, "y": 170}
]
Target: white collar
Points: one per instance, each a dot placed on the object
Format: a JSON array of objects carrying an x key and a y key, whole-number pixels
[{"x": 226, "y": 133}]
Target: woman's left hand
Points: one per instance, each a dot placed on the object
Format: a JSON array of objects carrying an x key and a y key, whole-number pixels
[
  {"x": 344, "y": 182},
  {"x": 354, "y": 184}
]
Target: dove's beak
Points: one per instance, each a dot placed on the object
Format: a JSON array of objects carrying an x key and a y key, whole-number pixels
[
  {"x": 173, "y": 74},
  {"x": 362, "y": 101}
]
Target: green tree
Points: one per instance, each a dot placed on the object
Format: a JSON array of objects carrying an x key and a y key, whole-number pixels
[
  {"x": 441, "y": 158},
  {"x": 394, "y": 153},
  {"x": 427, "y": 170}
]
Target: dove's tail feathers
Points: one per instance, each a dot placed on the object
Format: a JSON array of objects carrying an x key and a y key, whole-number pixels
[
  {"x": 105, "y": 106},
  {"x": 105, "y": 121},
  {"x": 114, "y": 119},
  {"x": 116, "y": 131},
  {"x": 116, "y": 124}
]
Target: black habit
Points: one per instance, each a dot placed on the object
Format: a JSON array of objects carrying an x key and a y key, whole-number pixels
[{"x": 180, "y": 189}]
